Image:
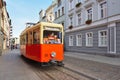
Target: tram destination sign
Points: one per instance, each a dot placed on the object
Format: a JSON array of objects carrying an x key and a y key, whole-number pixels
[{"x": 52, "y": 28}]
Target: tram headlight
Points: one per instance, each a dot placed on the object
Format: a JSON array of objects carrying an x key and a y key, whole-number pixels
[{"x": 53, "y": 54}]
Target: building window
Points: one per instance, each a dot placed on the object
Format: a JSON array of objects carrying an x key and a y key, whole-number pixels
[
  {"x": 71, "y": 40},
  {"x": 79, "y": 18},
  {"x": 103, "y": 38},
  {"x": 59, "y": 3},
  {"x": 103, "y": 9},
  {"x": 50, "y": 18},
  {"x": 89, "y": 14},
  {"x": 63, "y": 24},
  {"x": 79, "y": 40},
  {"x": 55, "y": 15},
  {"x": 89, "y": 39},
  {"x": 59, "y": 13},
  {"x": 62, "y": 10},
  {"x": 71, "y": 20},
  {"x": 71, "y": 5}
]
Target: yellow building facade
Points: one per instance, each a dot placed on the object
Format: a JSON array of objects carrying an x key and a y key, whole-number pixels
[{"x": 5, "y": 25}]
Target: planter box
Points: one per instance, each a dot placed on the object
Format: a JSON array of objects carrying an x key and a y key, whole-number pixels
[
  {"x": 70, "y": 27},
  {"x": 88, "y": 22},
  {"x": 78, "y": 4}
]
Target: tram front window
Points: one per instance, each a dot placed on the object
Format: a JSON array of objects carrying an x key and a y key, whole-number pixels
[{"x": 52, "y": 37}]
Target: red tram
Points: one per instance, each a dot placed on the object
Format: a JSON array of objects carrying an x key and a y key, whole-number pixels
[{"x": 43, "y": 42}]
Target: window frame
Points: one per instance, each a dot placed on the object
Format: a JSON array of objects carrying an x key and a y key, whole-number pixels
[
  {"x": 56, "y": 35},
  {"x": 99, "y": 38},
  {"x": 36, "y": 36},
  {"x": 56, "y": 15},
  {"x": 71, "y": 5},
  {"x": 99, "y": 9},
  {"x": 88, "y": 14},
  {"x": 59, "y": 2},
  {"x": 63, "y": 12},
  {"x": 87, "y": 39},
  {"x": 78, "y": 40},
  {"x": 70, "y": 20},
  {"x": 104, "y": 4},
  {"x": 71, "y": 44},
  {"x": 59, "y": 13},
  {"x": 79, "y": 18}
]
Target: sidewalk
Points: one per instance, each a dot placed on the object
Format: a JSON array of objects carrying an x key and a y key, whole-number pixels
[
  {"x": 97, "y": 58},
  {"x": 12, "y": 67}
]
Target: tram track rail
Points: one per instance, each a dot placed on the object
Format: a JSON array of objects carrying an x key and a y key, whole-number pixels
[
  {"x": 55, "y": 74},
  {"x": 80, "y": 73},
  {"x": 59, "y": 73}
]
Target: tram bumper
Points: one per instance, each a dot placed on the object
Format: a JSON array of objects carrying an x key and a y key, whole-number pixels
[{"x": 55, "y": 62}]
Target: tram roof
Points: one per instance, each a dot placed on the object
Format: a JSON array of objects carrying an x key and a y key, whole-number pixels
[{"x": 43, "y": 24}]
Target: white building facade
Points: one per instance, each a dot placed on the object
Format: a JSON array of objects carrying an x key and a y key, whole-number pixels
[
  {"x": 59, "y": 12},
  {"x": 48, "y": 14},
  {"x": 92, "y": 26}
]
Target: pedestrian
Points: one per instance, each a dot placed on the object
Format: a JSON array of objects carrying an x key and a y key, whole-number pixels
[
  {"x": 11, "y": 47},
  {"x": 0, "y": 50}
]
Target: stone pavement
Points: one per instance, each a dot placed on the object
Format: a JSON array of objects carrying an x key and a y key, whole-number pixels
[
  {"x": 96, "y": 66},
  {"x": 97, "y": 58},
  {"x": 13, "y": 68}
]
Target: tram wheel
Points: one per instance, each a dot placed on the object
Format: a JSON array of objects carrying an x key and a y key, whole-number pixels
[{"x": 60, "y": 63}]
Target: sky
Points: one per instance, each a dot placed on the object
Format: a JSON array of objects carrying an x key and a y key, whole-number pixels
[{"x": 23, "y": 11}]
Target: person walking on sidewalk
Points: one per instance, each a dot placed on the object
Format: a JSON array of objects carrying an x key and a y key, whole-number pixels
[
  {"x": 0, "y": 50},
  {"x": 11, "y": 47}
]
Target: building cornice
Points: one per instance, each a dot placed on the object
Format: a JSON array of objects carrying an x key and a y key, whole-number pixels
[{"x": 88, "y": 3}]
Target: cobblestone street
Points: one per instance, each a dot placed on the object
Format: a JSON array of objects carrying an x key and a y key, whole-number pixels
[
  {"x": 100, "y": 71},
  {"x": 15, "y": 67},
  {"x": 60, "y": 40}
]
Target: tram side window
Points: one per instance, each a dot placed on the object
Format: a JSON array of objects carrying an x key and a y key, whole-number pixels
[
  {"x": 27, "y": 38},
  {"x": 22, "y": 40},
  {"x": 52, "y": 37},
  {"x": 36, "y": 36},
  {"x": 30, "y": 37}
]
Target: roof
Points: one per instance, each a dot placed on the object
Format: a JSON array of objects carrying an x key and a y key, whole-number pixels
[{"x": 41, "y": 23}]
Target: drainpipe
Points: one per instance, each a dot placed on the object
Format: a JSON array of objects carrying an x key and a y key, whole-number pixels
[{"x": 0, "y": 38}]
